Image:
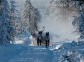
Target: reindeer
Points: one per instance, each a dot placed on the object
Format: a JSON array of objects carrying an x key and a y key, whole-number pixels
[
  {"x": 40, "y": 37},
  {"x": 47, "y": 39}
]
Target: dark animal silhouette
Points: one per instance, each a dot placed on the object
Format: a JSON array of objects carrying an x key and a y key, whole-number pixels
[
  {"x": 39, "y": 37},
  {"x": 47, "y": 39}
]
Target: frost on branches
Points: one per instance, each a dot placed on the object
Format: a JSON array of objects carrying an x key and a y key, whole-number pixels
[{"x": 31, "y": 17}]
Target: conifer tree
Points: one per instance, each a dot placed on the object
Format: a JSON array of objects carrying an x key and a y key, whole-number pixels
[
  {"x": 4, "y": 22},
  {"x": 31, "y": 17}
]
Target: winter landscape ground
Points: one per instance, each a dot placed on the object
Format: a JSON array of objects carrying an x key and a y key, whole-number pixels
[{"x": 22, "y": 53}]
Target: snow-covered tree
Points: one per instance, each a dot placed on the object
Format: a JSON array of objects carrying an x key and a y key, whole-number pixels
[
  {"x": 73, "y": 4},
  {"x": 65, "y": 6},
  {"x": 4, "y": 22},
  {"x": 68, "y": 4},
  {"x": 15, "y": 20},
  {"x": 37, "y": 18},
  {"x": 12, "y": 19},
  {"x": 79, "y": 23},
  {"x": 31, "y": 17}
]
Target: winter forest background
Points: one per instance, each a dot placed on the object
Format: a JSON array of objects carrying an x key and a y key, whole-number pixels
[{"x": 63, "y": 19}]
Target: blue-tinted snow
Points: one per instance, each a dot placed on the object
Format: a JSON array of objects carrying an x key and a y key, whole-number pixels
[{"x": 24, "y": 53}]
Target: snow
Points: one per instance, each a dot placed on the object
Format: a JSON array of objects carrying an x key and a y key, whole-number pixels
[
  {"x": 18, "y": 42},
  {"x": 24, "y": 53},
  {"x": 82, "y": 59},
  {"x": 33, "y": 41},
  {"x": 9, "y": 51},
  {"x": 60, "y": 28},
  {"x": 34, "y": 55},
  {"x": 19, "y": 53}
]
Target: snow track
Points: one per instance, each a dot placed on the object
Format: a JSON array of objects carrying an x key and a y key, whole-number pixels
[
  {"x": 23, "y": 53},
  {"x": 34, "y": 54}
]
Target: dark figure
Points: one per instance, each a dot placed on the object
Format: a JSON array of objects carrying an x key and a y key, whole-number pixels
[
  {"x": 39, "y": 37},
  {"x": 0, "y": 1},
  {"x": 47, "y": 39}
]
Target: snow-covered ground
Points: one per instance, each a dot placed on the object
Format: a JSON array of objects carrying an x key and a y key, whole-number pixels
[
  {"x": 24, "y": 53},
  {"x": 8, "y": 52}
]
